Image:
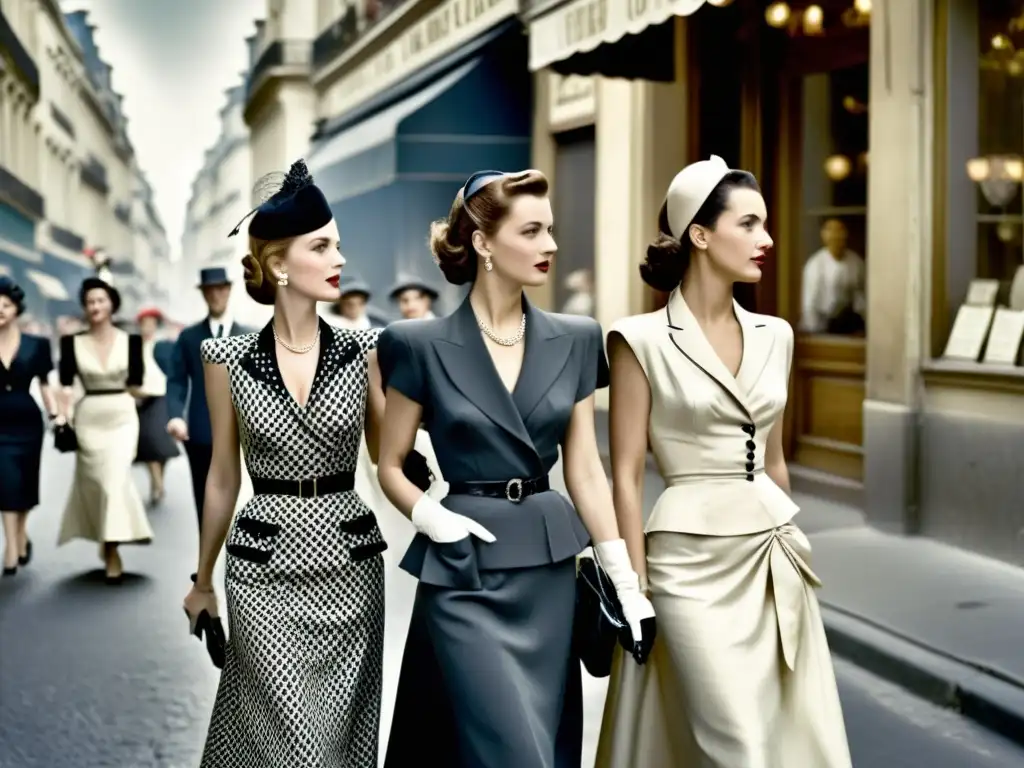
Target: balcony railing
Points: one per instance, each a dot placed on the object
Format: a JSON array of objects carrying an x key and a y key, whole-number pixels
[
  {"x": 345, "y": 32},
  {"x": 62, "y": 120},
  {"x": 21, "y": 58},
  {"x": 294, "y": 54},
  {"x": 95, "y": 175},
  {"x": 67, "y": 238},
  {"x": 19, "y": 194}
]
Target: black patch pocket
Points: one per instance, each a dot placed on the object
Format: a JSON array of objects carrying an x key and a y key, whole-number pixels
[
  {"x": 363, "y": 538},
  {"x": 253, "y": 540}
]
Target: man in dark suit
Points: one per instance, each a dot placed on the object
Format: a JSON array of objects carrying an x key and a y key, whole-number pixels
[{"x": 186, "y": 387}]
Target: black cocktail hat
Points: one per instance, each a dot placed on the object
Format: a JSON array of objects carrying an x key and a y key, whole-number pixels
[{"x": 291, "y": 206}]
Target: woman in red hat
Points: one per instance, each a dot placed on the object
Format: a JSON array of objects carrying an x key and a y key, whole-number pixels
[{"x": 155, "y": 447}]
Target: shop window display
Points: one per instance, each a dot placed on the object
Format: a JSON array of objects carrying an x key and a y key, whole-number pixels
[
  {"x": 984, "y": 205},
  {"x": 834, "y": 168}
]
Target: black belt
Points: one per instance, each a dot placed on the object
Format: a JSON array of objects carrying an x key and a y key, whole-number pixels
[
  {"x": 105, "y": 391},
  {"x": 514, "y": 490},
  {"x": 304, "y": 489}
]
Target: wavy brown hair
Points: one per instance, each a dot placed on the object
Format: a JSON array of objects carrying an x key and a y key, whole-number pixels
[{"x": 451, "y": 239}]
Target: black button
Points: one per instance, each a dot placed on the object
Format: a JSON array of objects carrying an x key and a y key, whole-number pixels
[
  {"x": 749, "y": 429},
  {"x": 750, "y": 478},
  {"x": 750, "y": 456},
  {"x": 750, "y": 466},
  {"x": 750, "y": 445}
]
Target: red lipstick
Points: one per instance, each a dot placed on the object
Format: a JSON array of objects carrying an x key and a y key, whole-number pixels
[
  {"x": 544, "y": 266},
  {"x": 335, "y": 281}
]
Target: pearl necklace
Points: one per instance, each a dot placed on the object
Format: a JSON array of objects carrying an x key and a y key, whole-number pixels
[
  {"x": 301, "y": 350},
  {"x": 508, "y": 341}
]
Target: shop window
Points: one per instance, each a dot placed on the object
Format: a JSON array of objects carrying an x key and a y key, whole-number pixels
[
  {"x": 981, "y": 207},
  {"x": 832, "y": 233},
  {"x": 574, "y": 202}
]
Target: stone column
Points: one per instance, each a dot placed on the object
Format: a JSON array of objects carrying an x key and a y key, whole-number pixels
[{"x": 898, "y": 256}]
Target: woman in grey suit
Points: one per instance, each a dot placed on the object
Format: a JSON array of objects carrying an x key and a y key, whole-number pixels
[{"x": 489, "y": 668}]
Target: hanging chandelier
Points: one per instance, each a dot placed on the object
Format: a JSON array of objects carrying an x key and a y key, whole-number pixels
[{"x": 809, "y": 20}]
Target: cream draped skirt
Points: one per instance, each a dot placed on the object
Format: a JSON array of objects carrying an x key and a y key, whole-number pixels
[{"x": 740, "y": 675}]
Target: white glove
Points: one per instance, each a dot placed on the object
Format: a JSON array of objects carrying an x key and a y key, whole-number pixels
[
  {"x": 614, "y": 558},
  {"x": 440, "y": 525}
]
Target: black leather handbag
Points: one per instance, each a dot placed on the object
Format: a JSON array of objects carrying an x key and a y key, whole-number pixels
[
  {"x": 599, "y": 623},
  {"x": 64, "y": 439}
]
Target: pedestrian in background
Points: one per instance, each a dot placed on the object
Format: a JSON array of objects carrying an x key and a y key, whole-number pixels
[
  {"x": 741, "y": 674},
  {"x": 103, "y": 504},
  {"x": 156, "y": 447},
  {"x": 23, "y": 357},
  {"x": 301, "y": 684},
  {"x": 414, "y": 297},
  {"x": 489, "y": 669},
  {"x": 186, "y": 389}
]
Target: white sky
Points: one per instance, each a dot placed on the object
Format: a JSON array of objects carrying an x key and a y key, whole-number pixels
[{"x": 172, "y": 61}]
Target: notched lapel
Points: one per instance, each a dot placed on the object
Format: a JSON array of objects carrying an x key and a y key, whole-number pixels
[
  {"x": 261, "y": 363},
  {"x": 547, "y": 352},
  {"x": 337, "y": 349},
  {"x": 467, "y": 363},
  {"x": 687, "y": 336},
  {"x": 758, "y": 341}
]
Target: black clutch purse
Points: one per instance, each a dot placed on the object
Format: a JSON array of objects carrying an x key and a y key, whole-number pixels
[
  {"x": 64, "y": 439},
  {"x": 213, "y": 629},
  {"x": 598, "y": 624}
]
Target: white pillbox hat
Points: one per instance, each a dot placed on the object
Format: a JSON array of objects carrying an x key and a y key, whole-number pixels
[{"x": 688, "y": 191}]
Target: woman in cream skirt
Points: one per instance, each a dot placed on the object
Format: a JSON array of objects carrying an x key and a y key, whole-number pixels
[
  {"x": 740, "y": 675},
  {"x": 104, "y": 505}
]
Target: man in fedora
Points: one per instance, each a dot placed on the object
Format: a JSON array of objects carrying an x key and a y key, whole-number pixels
[
  {"x": 352, "y": 310},
  {"x": 414, "y": 297},
  {"x": 186, "y": 388}
]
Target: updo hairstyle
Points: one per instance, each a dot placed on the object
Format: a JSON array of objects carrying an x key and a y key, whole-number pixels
[
  {"x": 668, "y": 259},
  {"x": 260, "y": 283},
  {"x": 451, "y": 239},
  {"x": 94, "y": 283},
  {"x": 13, "y": 291}
]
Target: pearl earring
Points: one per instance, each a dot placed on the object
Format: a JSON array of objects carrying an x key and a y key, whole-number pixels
[
  {"x": 487, "y": 263},
  {"x": 282, "y": 280}
]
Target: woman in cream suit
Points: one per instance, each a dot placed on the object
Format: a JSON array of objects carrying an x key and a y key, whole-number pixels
[{"x": 740, "y": 676}]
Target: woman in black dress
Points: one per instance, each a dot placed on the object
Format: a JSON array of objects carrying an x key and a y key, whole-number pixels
[
  {"x": 156, "y": 447},
  {"x": 22, "y": 358}
]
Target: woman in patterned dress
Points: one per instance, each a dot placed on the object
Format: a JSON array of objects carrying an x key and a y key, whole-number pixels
[{"x": 301, "y": 683}]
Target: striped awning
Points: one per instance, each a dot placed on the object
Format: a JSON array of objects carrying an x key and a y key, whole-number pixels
[{"x": 581, "y": 26}]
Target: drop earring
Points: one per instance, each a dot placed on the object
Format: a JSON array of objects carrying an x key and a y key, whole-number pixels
[
  {"x": 487, "y": 263},
  {"x": 282, "y": 280}
]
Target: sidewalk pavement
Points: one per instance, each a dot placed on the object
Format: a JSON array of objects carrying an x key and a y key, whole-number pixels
[{"x": 942, "y": 622}]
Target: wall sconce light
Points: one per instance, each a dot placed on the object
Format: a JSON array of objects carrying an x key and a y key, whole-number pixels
[
  {"x": 999, "y": 177},
  {"x": 977, "y": 169},
  {"x": 1001, "y": 43},
  {"x": 777, "y": 15},
  {"x": 837, "y": 167},
  {"x": 813, "y": 20},
  {"x": 719, "y": 3},
  {"x": 863, "y": 7}
]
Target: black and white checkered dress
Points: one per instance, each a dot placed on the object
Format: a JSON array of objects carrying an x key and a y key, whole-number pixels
[{"x": 301, "y": 687}]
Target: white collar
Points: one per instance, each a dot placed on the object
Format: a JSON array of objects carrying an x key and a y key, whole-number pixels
[{"x": 223, "y": 320}]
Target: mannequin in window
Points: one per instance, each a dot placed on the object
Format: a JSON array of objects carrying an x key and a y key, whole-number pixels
[{"x": 833, "y": 285}]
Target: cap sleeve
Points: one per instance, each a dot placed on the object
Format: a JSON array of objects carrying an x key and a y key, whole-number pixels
[
  {"x": 594, "y": 373},
  {"x": 44, "y": 360},
  {"x": 136, "y": 365},
  {"x": 67, "y": 367},
  {"x": 215, "y": 351},
  {"x": 367, "y": 338},
  {"x": 399, "y": 365}
]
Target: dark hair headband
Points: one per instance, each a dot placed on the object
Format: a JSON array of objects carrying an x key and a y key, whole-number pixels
[{"x": 478, "y": 181}]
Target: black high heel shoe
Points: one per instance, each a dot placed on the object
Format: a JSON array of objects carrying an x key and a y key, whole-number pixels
[
  {"x": 216, "y": 640},
  {"x": 10, "y": 571},
  {"x": 27, "y": 557}
]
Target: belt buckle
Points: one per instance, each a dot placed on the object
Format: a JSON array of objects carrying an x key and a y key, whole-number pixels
[
  {"x": 314, "y": 489},
  {"x": 516, "y": 485}
]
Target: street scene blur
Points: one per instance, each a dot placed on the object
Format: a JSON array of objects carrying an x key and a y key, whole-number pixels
[{"x": 887, "y": 140}]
